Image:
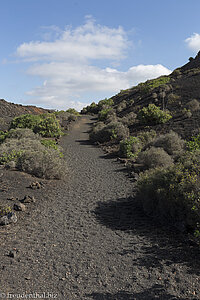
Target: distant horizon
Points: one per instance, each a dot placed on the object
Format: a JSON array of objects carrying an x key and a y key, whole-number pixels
[{"x": 58, "y": 55}]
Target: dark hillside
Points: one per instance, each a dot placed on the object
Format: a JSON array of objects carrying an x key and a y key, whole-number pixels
[
  {"x": 10, "y": 110},
  {"x": 154, "y": 129}
]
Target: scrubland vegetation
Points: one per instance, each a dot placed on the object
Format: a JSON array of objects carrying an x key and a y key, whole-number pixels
[
  {"x": 30, "y": 145},
  {"x": 136, "y": 125}
]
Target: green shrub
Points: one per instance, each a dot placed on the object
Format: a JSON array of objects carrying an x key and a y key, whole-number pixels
[
  {"x": 32, "y": 157},
  {"x": 173, "y": 193},
  {"x": 194, "y": 143},
  {"x": 171, "y": 142},
  {"x": 46, "y": 124},
  {"x": 154, "y": 157},
  {"x": 105, "y": 133},
  {"x": 152, "y": 114},
  {"x": 3, "y": 135},
  {"x": 52, "y": 145},
  {"x": 103, "y": 114},
  {"x": 149, "y": 85},
  {"x": 5, "y": 210},
  {"x": 48, "y": 127},
  {"x": 130, "y": 147},
  {"x": 73, "y": 111},
  {"x": 121, "y": 106},
  {"x": 44, "y": 164},
  {"x": 129, "y": 119},
  {"x": 90, "y": 109},
  {"x": 107, "y": 102},
  {"x": 146, "y": 137}
]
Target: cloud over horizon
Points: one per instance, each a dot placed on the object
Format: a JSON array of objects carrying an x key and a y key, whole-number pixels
[
  {"x": 193, "y": 42},
  {"x": 77, "y": 64}
]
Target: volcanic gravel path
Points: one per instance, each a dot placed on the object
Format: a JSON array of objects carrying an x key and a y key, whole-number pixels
[{"x": 86, "y": 238}]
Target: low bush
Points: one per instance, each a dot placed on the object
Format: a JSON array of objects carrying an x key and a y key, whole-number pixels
[
  {"x": 46, "y": 124},
  {"x": 113, "y": 131},
  {"x": 154, "y": 157},
  {"x": 130, "y": 147},
  {"x": 44, "y": 164},
  {"x": 171, "y": 142},
  {"x": 20, "y": 133},
  {"x": 129, "y": 119},
  {"x": 5, "y": 210},
  {"x": 29, "y": 153},
  {"x": 194, "y": 143},
  {"x": 193, "y": 105},
  {"x": 103, "y": 114},
  {"x": 72, "y": 111},
  {"x": 152, "y": 115},
  {"x": 173, "y": 193}
]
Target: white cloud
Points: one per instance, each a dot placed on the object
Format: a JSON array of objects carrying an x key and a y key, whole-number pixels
[
  {"x": 69, "y": 69},
  {"x": 193, "y": 42}
]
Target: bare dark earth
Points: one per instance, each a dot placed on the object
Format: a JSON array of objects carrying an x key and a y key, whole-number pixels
[{"x": 85, "y": 238}]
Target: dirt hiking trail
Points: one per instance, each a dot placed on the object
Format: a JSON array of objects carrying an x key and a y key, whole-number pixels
[{"x": 85, "y": 238}]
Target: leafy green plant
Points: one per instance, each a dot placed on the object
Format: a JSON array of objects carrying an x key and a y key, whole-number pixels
[
  {"x": 51, "y": 144},
  {"x": 46, "y": 124},
  {"x": 3, "y": 135},
  {"x": 152, "y": 114},
  {"x": 102, "y": 116},
  {"x": 194, "y": 143},
  {"x": 5, "y": 210},
  {"x": 73, "y": 111},
  {"x": 126, "y": 147}
]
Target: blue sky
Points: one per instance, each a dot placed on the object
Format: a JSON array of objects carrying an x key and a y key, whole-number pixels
[{"x": 68, "y": 53}]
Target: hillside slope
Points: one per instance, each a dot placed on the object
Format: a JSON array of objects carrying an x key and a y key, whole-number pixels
[
  {"x": 10, "y": 110},
  {"x": 179, "y": 93}
]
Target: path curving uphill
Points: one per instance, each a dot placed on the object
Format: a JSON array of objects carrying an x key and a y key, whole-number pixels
[{"x": 86, "y": 239}]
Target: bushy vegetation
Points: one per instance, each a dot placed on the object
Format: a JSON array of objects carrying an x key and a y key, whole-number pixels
[
  {"x": 154, "y": 157},
  {"x": 73, "y": 111},
  {"x": 194, "y": 143},
  {"x": 113, "y": 131},
  {"x": 45, "y": 124},
  {"x": 94, "y": 108},
  {"x": 44, "y": 164},
  {"x": 152, "y": 114},
  {"x": 193, "y": 105},
  {"x": 38, "y": 157},
  {"x": 152, "y": 84},
  {"x": 171, "y": 142},
  {"x": 173, "y": 193},
  {"x": 131, "y": 147},
  {"x": 5, "y": 210},
  {"x": 103, "y": 114}
]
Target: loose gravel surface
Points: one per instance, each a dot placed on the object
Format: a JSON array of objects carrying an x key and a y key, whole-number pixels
[{"x": 86, "y": 238}]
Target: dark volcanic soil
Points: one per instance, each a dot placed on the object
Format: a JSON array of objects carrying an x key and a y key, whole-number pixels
[{"x": 85, "y": 238}]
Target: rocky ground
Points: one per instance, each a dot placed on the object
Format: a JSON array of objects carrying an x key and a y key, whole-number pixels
[{"x": 86, "y": 238}]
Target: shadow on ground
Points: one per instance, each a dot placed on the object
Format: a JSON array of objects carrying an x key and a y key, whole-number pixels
[
  {"x": 163, "y": 243},
  {"x": 155, "y": 292}
]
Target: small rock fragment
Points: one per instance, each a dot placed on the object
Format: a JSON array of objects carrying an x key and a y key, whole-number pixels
[
  {"x": 13, "y": 253},
  {"x": 19, "y": 207},
  {"x": 28, "y": 199},
  {"x": 11, "y": 165},
  {"x": 13, "y": 198},
  {"x": 9, "y": 218},
  {"x": 35, "y": 185}
]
